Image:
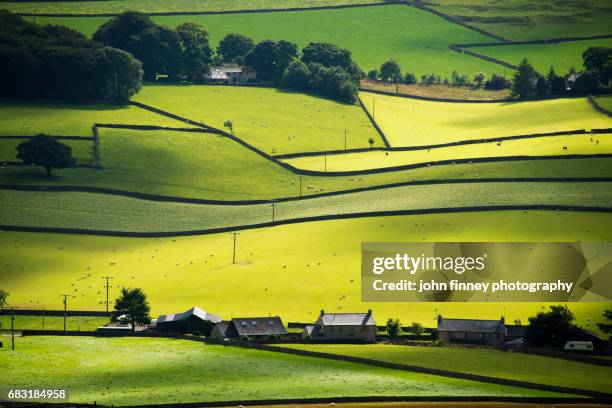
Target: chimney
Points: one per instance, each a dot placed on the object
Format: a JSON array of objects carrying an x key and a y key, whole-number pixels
[
  {"x": 322, "y": 312},
  {"x": 369, "y": 312},
  {"x": 439, "y": 320},
  {"x": 502, "y": 320}
]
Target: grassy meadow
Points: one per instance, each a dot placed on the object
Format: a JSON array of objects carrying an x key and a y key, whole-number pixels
[
  {"x": 562, "y": 56},
  {"x": 185, "y": 371},
  {"x": 116, "y": 213},
  {"x": 557, "y": 145},
  {"x": 160, "y": 6},
  {"x": 76, "y": 323},
  {"x": 81, "y": 149},
  {"x": 278, "y": 270},
  {"x": 488, "y": 362},
  {"x": 605, "y": 102},
  {"x": 416, "y": 39},
  {"x": 272, "y": 120},
  {"x": 528, "y": 20},
  {"x": 411, "y": 122}
]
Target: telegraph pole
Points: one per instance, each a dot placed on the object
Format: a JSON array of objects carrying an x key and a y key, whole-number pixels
[
  {"x": 65, "y": 306},
  {"x": 273, "y": 208},
  {"x": 373, "y": 108},
  {"x": 235, "y": 237},
  {"x": 325, "y": 162},
  {"x": 12, "y": 309},
  {"x": 107, "y": 286},
  {"x": 344, "y": 139},
  {"x": 300, "y": 177}
]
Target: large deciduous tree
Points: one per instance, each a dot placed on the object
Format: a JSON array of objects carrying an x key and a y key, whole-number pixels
[
  {"x": 45, "y": 151},
  {"x": 118, "y": 31},
  {"x": 234, "y": 47},
  {"x": 599, "y": 59},
  {"x": 390, "y": 71},
  {"x": 197, "y": 54},
  {"x": 330, "y": 55},
  {"x": 134, "y": 305},
  {"x": 271, "y": 58},
  {"x": 552, "y": 328}
]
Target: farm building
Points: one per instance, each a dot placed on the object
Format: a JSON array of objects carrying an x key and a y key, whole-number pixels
[
  {"x": 472, "y": 331},
  {"x": 232, "y": 74},
  {"x": 343, "y": 326},
  {"x": 252, "y": 327},
  {"x": 194, "y": 320}
]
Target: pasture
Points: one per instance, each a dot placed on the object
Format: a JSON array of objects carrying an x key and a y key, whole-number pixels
[
  {"x": 161, "y": 6},
  {"x": 278, "y": 270},
  {"x": 272, "y": 120},
  {"x": 605, "y": 102},
  {"x": 488, "y": 362},
  {"x": 521, "y": 20},
  {"x": 416, "y": 39},
  {"x": 411, "y": 122},
  {"x": 562, "y": 56},
  {"x": 116, "y": 213},
  {"x": 185, "y": 371},
  {"x": 61, "y": 119},
  {"x": 75, "y": 323},
  {"x": 553, "y": 145}
]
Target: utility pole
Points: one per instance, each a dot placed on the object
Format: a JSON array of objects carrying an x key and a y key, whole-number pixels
[
  {"x": 325, "y": 161},
  {"x": 12, "y": 309},
  {"x": 273, "y": 208},
  {"x": 65, "y": 307},
  {"x": 344, "y": 139},
  {"x": 300, "y": 177},
  {"x": 374, "y": 108},
  {"x": 107, "y": 286},
  {"x": 235, "y": 237}
]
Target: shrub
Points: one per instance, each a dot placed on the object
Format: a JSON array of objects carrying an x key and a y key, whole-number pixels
[{"x": 497, "y": 82}]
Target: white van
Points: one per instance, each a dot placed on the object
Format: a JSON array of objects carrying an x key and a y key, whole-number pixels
[{"x": 578, "y": 345}]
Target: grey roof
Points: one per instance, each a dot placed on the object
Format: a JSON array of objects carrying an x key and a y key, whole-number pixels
[
  {"x": 222, "y": 327},
  {"x": 308, "y": 329},
  {"x": 470, "y": 325},
  {"x": 258, "y": 326},
  {"x": 346, "y": 319},
  {"x": 195, "y": 311}
]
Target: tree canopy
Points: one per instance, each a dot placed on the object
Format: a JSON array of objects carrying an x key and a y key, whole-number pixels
[
  {"x": 330, "y": 55},
  {"x": 133, "y": 304},
  {"x": 45, "y": 151},
  {"x": 553, "y": 328},
  {"x": 234, "y": 47},
  {"x": 390, "y": 71},
  {"x": 271, "y": 58},
  {"x": 525, "y": 80}
]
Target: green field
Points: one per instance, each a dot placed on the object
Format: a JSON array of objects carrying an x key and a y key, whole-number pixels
[
  {"x": 417, "y": 40},
  {"x": 605, "y": 102},
  {"x": 281, "y": 270},
  {"x": 528, "y": 20},
  {"x": 81, "y": 149},
  {"x": 77, "y": 323},
  {"x": 557, "y": 145},
  {"x": 156, "y": 6},
  {"x": 562, "y": 56},
  {"x": 272, "y": 120},
  {"x": 411, "y": 122},
  {"x": 60, "y": 119},
  {"x": 115, "y": 213},
  {"x": 488, "y": 362},
  {"x": 132, "y": 371}
]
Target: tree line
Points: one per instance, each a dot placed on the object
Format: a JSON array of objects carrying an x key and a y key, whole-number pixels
[{"x": 53, "y": 61}]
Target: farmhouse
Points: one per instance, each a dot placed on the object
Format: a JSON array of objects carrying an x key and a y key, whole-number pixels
[
  {"x": 255, "y": 328},
  {"x": 194, "y": 320},
  {"x": 472, "y": 331},
  {"x": 343, "y": 326},
  {"x": 232, "y": 74}
]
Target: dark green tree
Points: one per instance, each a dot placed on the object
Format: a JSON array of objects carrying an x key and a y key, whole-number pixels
[
  {"x": 271, "y": 58},
  {"x": 196, "y": 52},
  {"x": 410, "y": 78},
  {"x": 159, "y": 49},
  {"x": 606, "y": 327},
  {"x": 553, "y": 328},
  {"x": 118, "y": 31},
  {"x": 3, "y": 299},
  {"x": 296, "y": 76},
  {"x": 390, "y": 71},
  {"x": 394, "y": 326},
  {"x": 373, "y": 74},
  {"x": 234, "y": 47},
  {"x": 497, "y": 82},
  {"x": 586, "y": 83},
  {"x": 599, "y": 59},
  {"x": 524, "y": 81},
  {"x": 542, "y": 87},
  {"x": 416, "y": 328},
  {"x": 45, "y": 151},
  {"x": 330, "y": 55},
  {"x": 556, "y": 83},
  {"x": 133, "y": 304},
  {"x": 119, "y": 74}
]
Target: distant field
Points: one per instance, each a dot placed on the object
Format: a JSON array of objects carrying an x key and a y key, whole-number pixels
[
  {"x": 605, "y": 102},
  {"x": 529, "y": 20},
  {"x": 273, "y": 120},
  {"x": 285, "y": 266},
  {"x": 417, "y": 40},
  {"x": 556, "y": 145},
  {"x": 76, "y": 323},
  {"x": 437, "y": 90},
  {"x": 81, "y": 149},
  {"x": 157, "y": 6},
  {"x": 60, "y": 119},
  {"x": 488, "y": 362},
  {"x": 208, "y": 373},
  {"x": 114, "y": 213},
  {"x": 562, "y": 56},
  {"x": 411, "y": 122}
]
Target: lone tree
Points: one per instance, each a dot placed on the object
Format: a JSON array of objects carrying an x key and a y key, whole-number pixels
[
  {"x": 553, "y": 328},
  {"x": 416, "y": 328},
  {"x": 229, "y": 125},
  {"x": 390, "y": 71},
  {"x": 371, "y": 142},
  {"x": 132, "y": 303},
  {"x": 393, "y": 327},
  {"x": 604, "y": 327},
  {"x": 3, "y": 296},
  {"x": 47, "y": 152}
]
